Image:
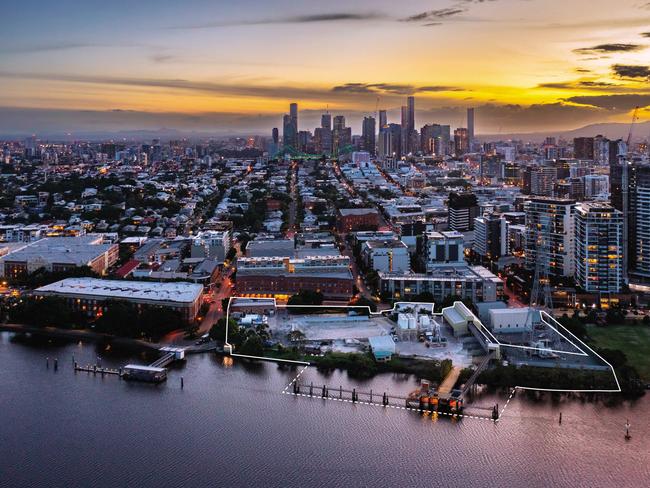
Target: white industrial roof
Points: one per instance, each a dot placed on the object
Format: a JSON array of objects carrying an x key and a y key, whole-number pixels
[{"x": 134, "y": 290}]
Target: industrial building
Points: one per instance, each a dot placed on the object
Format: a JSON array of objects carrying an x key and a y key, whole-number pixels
[
  {"x": 60, "y": 254},
  {"x": 90, "y": 294},
  {"x": 280, "y": 277}
]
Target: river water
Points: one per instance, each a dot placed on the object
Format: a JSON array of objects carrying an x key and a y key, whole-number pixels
[{"x": 231, "y": 426}]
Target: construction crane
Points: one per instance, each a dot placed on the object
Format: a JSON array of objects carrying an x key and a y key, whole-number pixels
[{"x": 635, "y": 117}]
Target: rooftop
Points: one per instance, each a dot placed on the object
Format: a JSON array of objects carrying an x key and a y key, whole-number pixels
[{"x": 139, "y": 290}]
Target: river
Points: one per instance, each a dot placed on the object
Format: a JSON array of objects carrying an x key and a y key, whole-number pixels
[{"x": 231, "y": 426}]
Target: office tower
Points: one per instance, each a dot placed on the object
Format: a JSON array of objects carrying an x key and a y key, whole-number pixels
[
  {"x": 470, "y": 127},
  {"x": 339, "y": 122},
  {"x": 601, "y": 150},
  {"x": 304, "y": 141},
  {"x": 616, "y": 150},
  {"x": 599, "y": 247},
  {"x": 368, "y": 135},
  {"x": 289, "y": 137},
  {"x": 630, "y": 193},
  {"x": 390, "y": 138},
  {"x": 443, "y": 249},
  {"x": 293, "y": 112},
  {"x": 290, "y": 128},
  {"x": 434, "y": 139},
  {"x": 383, "y": 119},
  {"x": 461, "y": 142},
  {"x": 540, "y": 180},
  {"x": 410, "y": 115},
  {"x": 275, "y": 135},
  {"x": 491, "y": 236},
  {"x": 409, "y": 142},
  {"x": 326, "y": 121},
  {"x": 596, "y": 186},
  {"x": 323, "y": 141},
  {"x": 583, "y": 148},
  {"x": 341, "y": 136},
  {"x": 463, "y": 209},
  {"x": 562, "y": 168},
  {"x": 550, "y": 223}
]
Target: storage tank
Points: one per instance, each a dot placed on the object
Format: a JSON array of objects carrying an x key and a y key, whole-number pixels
[
  {"x": 412, "y": 323},
  {"x": 425, "y": 321}
]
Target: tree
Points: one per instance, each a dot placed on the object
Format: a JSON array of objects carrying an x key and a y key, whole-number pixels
[
  {"x": 252, "y": 346},
  {"x": 296, "y": 335},
  {"x": 218, "y": 332}
]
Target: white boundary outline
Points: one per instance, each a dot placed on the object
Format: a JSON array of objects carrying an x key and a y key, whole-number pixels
[{"x": 545, "y": 317}]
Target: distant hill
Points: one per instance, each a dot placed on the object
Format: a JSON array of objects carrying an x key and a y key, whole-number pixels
[{"x": 611, "y": 130}]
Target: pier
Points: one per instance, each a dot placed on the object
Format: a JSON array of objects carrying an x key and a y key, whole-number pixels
[{"x": 155, "y": 372}]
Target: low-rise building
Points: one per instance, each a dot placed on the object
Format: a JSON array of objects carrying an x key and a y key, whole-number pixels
[
  {"x": 60, "y": 254},
  {"x": 90, "y": 295},
  {"x": 473, "y": 282},
  {"x": 352, "y": 219},
  {"x": 282, "y": 277},
  {"x": 386, "y": 256},
  {"x": 211, "y": 244}
]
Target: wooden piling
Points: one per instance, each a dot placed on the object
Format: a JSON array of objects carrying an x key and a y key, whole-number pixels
[{"x": 182, "y": 383}]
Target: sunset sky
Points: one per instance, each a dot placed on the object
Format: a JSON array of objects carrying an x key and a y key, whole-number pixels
[{"x": 526, "y": 65}]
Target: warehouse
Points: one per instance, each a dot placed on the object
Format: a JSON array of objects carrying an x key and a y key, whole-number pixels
[{"x": 90, "y": 294}]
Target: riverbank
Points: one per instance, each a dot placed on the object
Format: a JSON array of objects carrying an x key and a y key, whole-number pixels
[
  {"x": 631, "y": 340},
  {"x": 79, "y": 335}
]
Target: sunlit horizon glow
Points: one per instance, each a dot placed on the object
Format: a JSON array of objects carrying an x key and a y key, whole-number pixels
[{"x": 526, "y": 64}]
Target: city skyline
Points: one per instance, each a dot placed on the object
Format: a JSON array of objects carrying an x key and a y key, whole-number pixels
[{"x": 167, "y": 66}]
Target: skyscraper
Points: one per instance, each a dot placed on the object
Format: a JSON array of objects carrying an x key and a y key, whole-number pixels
[
  {"x": 470, "y": 128},
  {"x": 434, "y": 139},
  {"x": 599, "y": 247},
  {"x": 630, "y": 193},
  {"x": 389, "y": 145},
  {"x": 408, "y": 126},
  {"x": 341, "y": 136},
  {"x": 461, "y": 141},
  {"x": 290, "y": 128},
  {"x": 550, "y": 222},
  {"x": 583, "y": 148},
  {"x": 293, "y": 112},
  {"x": 383, "y": 119},
  {"x": 463, "y": 209},
  {"x": 491, "y": 236},
  {"x": 368, "y": 134},
  {"x": 326, "y": 121}
]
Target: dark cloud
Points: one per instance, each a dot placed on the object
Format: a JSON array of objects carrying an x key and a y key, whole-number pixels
[
  {"x": 297, "y": 19},
  {"x": 432, "y": 15},
  {"x": 615, "y": 103},
  {"x": 64, "y": 46},
  {"x": 579, "y": 84},
  {"x": 375, "y": 88},
  {"x": 162, "y": 58},
  {"x": 631, "y": 71},
  {"x": 396, "y": 89},
  {"x": 645, "y": 34},
  {"x": 610, "y": 48},
  {"x": 582, "y": 70}
]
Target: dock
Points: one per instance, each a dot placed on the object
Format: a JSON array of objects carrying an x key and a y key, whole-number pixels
[{"x": 155, "y": 372}]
